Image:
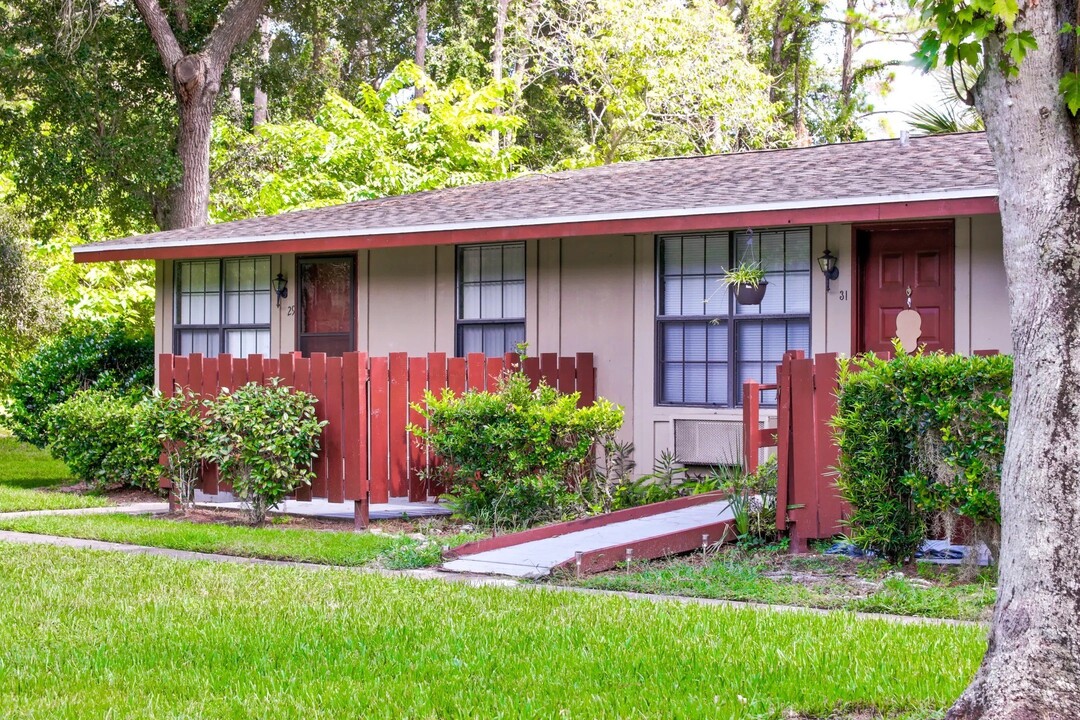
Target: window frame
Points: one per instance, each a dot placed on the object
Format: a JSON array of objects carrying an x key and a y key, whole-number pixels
[
  {"x": 459, "y": 323},
  {"x": 733, "y": 319},
  {"x": 221, "y": 327}
]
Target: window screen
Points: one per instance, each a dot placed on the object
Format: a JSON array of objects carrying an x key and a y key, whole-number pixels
[
  {"x": 707, "y": 343},
  {"x": 491, "y": 298},
  {"x": 223, "y": 306}
]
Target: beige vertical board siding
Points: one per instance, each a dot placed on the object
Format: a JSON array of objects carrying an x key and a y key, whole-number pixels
[
  {"x": 401, "y": 300},
  {"x": 532, "y": 296},
  {"x": 445, "y": 299},
  {"x": 548, "y": 295},
  {"x": 283, "y": 320},
  {"x": 597, "y": 312},
  {"x": 831, "y": 313},
  {"x": 962, "y": 286},
  {"x": 644, "y": 352},
  {"x": 163, "y": 291},
  {"x": 989, "y": 287}
]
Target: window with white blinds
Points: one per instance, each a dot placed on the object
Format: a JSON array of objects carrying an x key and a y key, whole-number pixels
[
  {"x": 223, "y": 306},
  {"x": 491, "y": 299},
  {"x": 707, "y": 343}
]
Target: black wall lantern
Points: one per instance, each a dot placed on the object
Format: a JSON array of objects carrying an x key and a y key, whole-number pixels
[
  {"x": 281, "y": 288},
  {"x": 827, "y": 263}
]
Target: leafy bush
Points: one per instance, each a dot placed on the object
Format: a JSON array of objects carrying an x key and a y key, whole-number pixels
[
  {"x": 921, "y": 440},
  {"x": 86, "y": 356},
  {"x": 100, "y": 437},
  {"x": 753, "y": 503},
  {"x": 618, "y": 489},
  {"x": 263, "y": 439},
  {"x": 516, "y": 456},
  {"x": 175, "y": 426}
]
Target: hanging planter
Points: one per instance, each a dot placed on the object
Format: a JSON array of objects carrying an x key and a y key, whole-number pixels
[
  {"x": 747, "y": 294},
  {"x": 748, "y": 280}
]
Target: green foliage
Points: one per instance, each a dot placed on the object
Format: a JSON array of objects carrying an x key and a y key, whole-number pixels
[
  {"x": 83, "y": 356},
  {"x": 654, "y": 77},
  {"x": 176, "y": 427},
  {"x": 920, "y": 436},
  {"x": 263, "y": 439},
  {"x": 961, "y": 34},
  {"x": 746, "y": 273},
  {"x": 516, "y": 456},
  {"x": 387, "y": 143},
  {"x": 27, "y": 311},
  {"x": 753, "y": 503},
  {"x": 667, "y": 481},
  {"x": 99, "y": 436}
]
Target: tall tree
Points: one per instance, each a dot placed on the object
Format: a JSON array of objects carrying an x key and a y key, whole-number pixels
[
  {"x": 1028, "y": 93},
  {"x": 195, "y": 73},
  {"x": 261, "y": 104}
]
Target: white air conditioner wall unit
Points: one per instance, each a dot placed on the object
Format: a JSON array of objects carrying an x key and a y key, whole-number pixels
[{"x": 708, "y": 442}]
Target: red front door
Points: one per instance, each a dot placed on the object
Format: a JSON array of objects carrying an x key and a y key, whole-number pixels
[
  {"x": 327, "y": 318},
  {"x": 900, "y": 263}
]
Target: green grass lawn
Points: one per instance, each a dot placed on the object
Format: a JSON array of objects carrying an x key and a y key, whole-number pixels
[
  {"x": 88, "y": 634},
  {"x": 754, "y": 578},
  {"x": 23, "y": 469},
  {"x": 316, "y": 546},
  {"x": 25, "y": 466}
]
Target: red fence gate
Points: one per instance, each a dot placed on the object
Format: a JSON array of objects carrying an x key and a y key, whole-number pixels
[
  {"x": 367, "y": 454},
  {"x": 808, "y": 504}
]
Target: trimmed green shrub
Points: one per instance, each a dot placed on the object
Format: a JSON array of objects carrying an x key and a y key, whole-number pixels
[
  {"x": 176, "y": 428},
  {"x": 85, "y": 356},
  {"x": 263, "y": 439},
  {"x": 921, "y": 439},
  {"x": 100, "y": 437},
  {"x": 516, "y": 456}
]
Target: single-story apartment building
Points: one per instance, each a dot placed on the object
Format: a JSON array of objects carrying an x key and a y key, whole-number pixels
[{"x": 622, "y": 261}]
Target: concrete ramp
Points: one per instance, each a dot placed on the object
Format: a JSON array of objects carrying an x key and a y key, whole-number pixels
[{"x": 599, "y": 543}]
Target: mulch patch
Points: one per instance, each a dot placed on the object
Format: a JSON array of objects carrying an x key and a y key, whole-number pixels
[{"x": 119, "y": 494}]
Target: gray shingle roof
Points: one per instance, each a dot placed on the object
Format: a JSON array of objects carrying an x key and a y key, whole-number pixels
[{"x": 820, "y": 176}]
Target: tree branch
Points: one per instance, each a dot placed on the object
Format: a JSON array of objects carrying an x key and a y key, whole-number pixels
[
  {"x": 235, "y": 25},
  {"x": 166, "y": 42}
]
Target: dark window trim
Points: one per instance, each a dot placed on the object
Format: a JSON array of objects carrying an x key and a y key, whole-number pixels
[
  {"x": 459, "y": 323},
  {"x": 732, "y": 319},
  {"x": 221, "y": 327},
  {"x": 353, "y": 288}
]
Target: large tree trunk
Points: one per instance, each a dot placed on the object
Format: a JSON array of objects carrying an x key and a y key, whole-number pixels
[
  {"x": 196, "y": 88},
  {"x": 1032, "y": 667},
  {"x": 846, "y": 75},
  {"x": 261, "y": 105},
  {"x": 196, "y": 80}
]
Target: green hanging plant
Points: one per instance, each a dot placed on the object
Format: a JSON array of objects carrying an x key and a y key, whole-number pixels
[{"x": 751, "y": 274}]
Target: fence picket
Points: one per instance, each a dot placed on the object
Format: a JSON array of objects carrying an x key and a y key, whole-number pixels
[
  {"x": 380, "y": 428},
  {"x": 317, "y": 387},
  {"x": 418, "y": 379},
  {"x": 332, "y": 440}
]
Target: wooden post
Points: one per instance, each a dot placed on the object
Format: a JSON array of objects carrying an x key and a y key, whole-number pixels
[
  {"x": 361, "y": 513},
  {"x": 751, "y": 399}
]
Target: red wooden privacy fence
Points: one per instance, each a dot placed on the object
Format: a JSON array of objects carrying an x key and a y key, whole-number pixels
[
  {"x": 808, "y": 504},
  {"x": 367, "y": 454}
]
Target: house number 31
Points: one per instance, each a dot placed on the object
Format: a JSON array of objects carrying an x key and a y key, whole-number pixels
[{"x": 843, "y": 294}]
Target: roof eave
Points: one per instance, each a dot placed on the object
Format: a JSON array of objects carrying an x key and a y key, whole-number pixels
[{"x": 842, "y": 210}]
